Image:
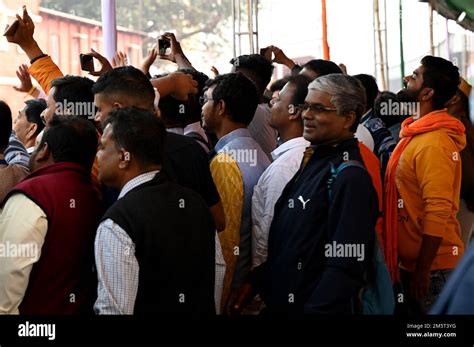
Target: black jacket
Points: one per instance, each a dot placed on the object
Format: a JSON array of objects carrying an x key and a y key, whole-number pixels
[{"x": 300, "y": 275}]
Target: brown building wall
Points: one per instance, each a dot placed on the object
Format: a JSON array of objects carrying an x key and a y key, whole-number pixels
[{"x": 63, "y": 37}]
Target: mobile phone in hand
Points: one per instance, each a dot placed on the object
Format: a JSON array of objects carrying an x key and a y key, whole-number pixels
[
  {"x": 163, "y": 45},
  {"x": 87, "y": 62},
  {"x": 11, "y": 29}
]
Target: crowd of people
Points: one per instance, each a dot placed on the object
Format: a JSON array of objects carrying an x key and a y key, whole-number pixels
[{"x": 235, "y": 195}]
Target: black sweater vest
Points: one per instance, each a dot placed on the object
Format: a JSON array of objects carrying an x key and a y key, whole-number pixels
[{"x": 174, "y": 236}]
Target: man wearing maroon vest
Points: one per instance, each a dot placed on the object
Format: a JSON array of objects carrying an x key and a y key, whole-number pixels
[{"x": 47, "y": 226}]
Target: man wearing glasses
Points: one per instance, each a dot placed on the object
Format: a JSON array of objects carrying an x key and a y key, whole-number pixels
[
  {"x": 303, "y": 273},
  {"x": 236, "y": 165}
]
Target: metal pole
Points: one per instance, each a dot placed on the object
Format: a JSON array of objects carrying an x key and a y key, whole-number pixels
[
  {"x": 402, "y": 59},
  {"x": 448, "y": 41},
  {"x": 250, "y": 25},
  {"x": 256, "y": 24},
  {"x": 379, "y": 38},
  {"x": 375, "y": 43},
  {"x": 386, "y": 44},
  {"x": 233, "y": 29},
  {"x": 326, "y": 54},
  {"x": 430, "y": 6},
  {"x": 239, "y": 26}
]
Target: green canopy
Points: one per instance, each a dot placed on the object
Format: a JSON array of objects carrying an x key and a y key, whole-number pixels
[{"x": 452, "y": 9}]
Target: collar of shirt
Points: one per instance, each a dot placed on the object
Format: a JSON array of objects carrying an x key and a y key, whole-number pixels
[
  {"x": 194, "y": 128},
  {"x": 242, "y": 132},
  {"x": 135, "y": 182},
  {"x": 290, "y": 144},
  {"x": 179, "y": 131}
]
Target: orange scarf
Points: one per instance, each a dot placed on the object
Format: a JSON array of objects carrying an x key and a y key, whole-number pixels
[{"x": 433, "y": 121}]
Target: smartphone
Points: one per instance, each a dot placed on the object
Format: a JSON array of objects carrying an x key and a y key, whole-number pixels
[
  {"x": 263, "y": 51},
  {"x": 87, "y": 62},
  {"x": 11, "y": 29},
  {"x": 163, "y": 45}
]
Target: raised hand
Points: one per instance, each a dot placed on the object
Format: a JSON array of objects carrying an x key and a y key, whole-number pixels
[
  {"x": 23, "y": 36},
  {"x": 120, "y": 59},
  {"x": 281, "y": 58},
  {"x": 214, "y": 71},
  {"x": 105, "y": 64},
  {"x": 149, "y": 60},
  {"x": 25, "y": 79},
  {"x": 176, "y": 53}
]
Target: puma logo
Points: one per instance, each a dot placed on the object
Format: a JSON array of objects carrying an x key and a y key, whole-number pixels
[{"x": 300, "y": 198}]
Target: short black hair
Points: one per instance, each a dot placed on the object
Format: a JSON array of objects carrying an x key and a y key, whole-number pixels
[
  {"x": 371, "y": 88},
  {"x": 239, "y": 94},
  {"x": 180, "y": 113},
  {"x": 443, "y": 77},
  {"x": 71, "y": 139},
  {"x": 140, "y": 132},
  {"x": 301, "y": 82},
  {"x": 279, "y": 84},
  {"x": 75, "y": 89},
  {"x": 322, "y": 67},
  {"x": 5, "y": 125},
  {"x": 129, "y": 82},
  {"x": 33, "y": 110},
  {"x": 260, "y": 67}
]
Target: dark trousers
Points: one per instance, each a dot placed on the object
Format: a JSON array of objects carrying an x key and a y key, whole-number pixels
[{"x": 419, "y": 307}]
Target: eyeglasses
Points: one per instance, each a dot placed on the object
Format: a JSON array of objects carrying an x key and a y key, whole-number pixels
[
  {"x": 316, "y": 108},
  {"x": 203, "y": 100}
]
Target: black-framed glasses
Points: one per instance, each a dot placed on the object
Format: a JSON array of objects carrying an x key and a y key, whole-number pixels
[
  {"x": 203, "y": 100},
  {"x": 316, "y": 108}
]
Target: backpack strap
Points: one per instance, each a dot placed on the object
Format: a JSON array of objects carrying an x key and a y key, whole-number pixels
[{"x": 336, "y": 171}]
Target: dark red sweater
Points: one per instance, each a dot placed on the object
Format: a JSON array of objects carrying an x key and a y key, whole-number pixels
[{"x": 63, "y": 280}]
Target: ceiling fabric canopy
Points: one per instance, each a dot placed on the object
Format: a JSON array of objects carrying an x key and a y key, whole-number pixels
[{"x": 452, "y": 9}]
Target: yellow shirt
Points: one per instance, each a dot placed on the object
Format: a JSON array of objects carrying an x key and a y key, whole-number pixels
[
  {"x": 428, "y": 181},
  {"x": 229, "y": 183}
]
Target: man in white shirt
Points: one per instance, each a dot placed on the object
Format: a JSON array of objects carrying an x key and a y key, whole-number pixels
[{"x": 286, "y": 119}]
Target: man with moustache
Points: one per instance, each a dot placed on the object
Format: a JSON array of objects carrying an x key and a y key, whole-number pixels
[{"x": 422, "y": 237}]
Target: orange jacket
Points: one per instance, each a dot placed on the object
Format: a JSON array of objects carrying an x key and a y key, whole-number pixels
[
  {"x": 372, "y": 165},
  {"x": 429, "y": 182},
  {"x": 44, "y": 70}
]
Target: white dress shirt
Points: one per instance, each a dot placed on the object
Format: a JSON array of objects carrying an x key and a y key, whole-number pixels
[{"x": 287, "y": 160}]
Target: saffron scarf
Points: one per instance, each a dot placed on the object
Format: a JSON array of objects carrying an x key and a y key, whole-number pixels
[{"x": 433, "y": 121}]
